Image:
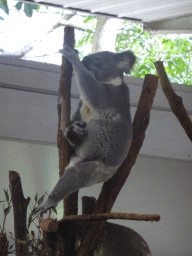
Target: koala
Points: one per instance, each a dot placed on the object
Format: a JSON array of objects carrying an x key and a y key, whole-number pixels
[
  {"x": 100, "y": 131},
  {"x": 115, "y": 240}
]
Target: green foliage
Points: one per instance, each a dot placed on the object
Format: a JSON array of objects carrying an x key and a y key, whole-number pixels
[
  {"x": 86, "y": 37},
  {"x": 35, "y": 243},
  {"x": 174, "y": 50},
  {"x": 28, "y": 8},
  {"x": 4, "y": 7}
]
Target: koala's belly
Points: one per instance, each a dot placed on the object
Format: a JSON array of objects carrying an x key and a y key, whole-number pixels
[
  {"x": 106, "y": 141},
  {"x": 87, "y": 114}
]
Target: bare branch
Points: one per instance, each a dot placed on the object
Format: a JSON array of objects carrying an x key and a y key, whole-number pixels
[
  {"x": 175, "y": 101},
  {"x": 27, "y": 48},
  {"x": 112, "y": 216},
  {"x": 50, "y": 225}
]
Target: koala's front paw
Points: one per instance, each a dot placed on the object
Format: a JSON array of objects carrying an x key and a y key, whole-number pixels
[
  {"x": 76, "y": 133},
  {"x": 69, "y": 54},
  {"x": 44, "y": 207}
]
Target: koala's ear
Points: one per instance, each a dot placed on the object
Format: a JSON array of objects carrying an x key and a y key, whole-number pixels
[{"x": 125, "y": 61}]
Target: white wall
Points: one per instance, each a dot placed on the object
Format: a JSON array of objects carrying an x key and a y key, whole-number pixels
[
  {"x": 28, "y": 108},
  {"x": 155, "y": 185}
]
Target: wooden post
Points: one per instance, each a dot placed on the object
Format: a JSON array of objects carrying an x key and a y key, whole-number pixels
[
  {"x": 20, "y": 205},
  {"x": 66, "y": 230},
  {"x": 111, "y": 188}
]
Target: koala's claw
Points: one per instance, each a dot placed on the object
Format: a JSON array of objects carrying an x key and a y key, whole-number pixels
[
  {"x": 44, "y": 207},
  {"x": 69, "y": 54},
  {"x": 81, "y": 124},
  {"x": 76, "y": 133}
]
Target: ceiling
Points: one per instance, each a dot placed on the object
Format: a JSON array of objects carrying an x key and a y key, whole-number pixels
[{"x": 162, "y": 16}]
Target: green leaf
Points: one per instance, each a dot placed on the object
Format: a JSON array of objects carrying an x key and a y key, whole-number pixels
[
  {"x": 1, "y": 18},
  {"x": 88, "y": 19},
  {"x": 30, "y": 220},
  {"x": 54, "y": 210},
  {"x": 6, "y": 195},
  {"x": 28, "y": 9},
  {"x": 7, "y": 210},
  {"x": 36, "y": 197},
  {"x": 11, "y": 247},
  {"x": 4, "y": 6},
  {"x": 23, "y": 242},
  {"x": 19, "y": 5},
  {"x": 40, "y": 200},
  {"x": 35, "y": 7}
]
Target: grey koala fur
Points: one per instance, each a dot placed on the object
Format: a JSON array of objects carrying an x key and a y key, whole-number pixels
[
  {"x": 115, "y": 240},
  {"x": 100, "y": 130}
]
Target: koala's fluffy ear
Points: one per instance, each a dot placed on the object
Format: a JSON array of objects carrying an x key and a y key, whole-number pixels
[{"x": 125, "y": 61}]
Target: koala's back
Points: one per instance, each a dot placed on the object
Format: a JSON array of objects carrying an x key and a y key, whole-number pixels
[{"x": 109, "y": 132}]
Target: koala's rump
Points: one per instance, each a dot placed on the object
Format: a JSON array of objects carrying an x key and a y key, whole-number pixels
[{"x": 107, "y": 141}]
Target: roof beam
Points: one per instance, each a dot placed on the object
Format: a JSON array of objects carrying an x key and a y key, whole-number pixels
[{"x": 181, "y": 25}]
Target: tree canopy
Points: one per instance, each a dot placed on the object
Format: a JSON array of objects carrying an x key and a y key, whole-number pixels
[{"x": 174, "y": 50}]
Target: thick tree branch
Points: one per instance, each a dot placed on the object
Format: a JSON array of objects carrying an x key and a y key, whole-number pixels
[
  {"x": 50, "y": 225},
  {"x": 111, "y": 188},
  {"x": 20, "y": 205},
  {"x": 64, "y": 110},
  {"x": 112, "y": 216},
  {"x": 175, "y": 101}
]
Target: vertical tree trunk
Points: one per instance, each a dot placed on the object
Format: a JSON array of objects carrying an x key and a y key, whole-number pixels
[
  {"x": 67, "y": 231},
  {"x": 20, "y": 205},
  {"x": 105, "y": 34}
]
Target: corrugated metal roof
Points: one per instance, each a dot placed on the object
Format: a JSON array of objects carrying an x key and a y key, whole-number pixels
[
  {"x": 146, "y": 11},
  {"x": 142, "y": 10}
]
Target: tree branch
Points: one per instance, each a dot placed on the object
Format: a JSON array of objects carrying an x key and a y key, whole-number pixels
[
  {"x": 111, "y": 188},
  {"x": 50, "y": 225},
  {"x": 112, "y": 216},
  {"x": 27, "y": 48},
  {"x": 64, "y": 110},
  {"x": 20, "y": 205},
  {"x": 175, "y": 101}
]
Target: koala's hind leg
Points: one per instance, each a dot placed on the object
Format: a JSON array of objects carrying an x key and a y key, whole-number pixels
[
  {"x": 81, "y": 175},
  {"x": 77, "y": 176}
]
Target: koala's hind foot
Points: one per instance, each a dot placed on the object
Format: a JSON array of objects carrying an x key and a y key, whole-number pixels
[{"x": 75, "y": 133}]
